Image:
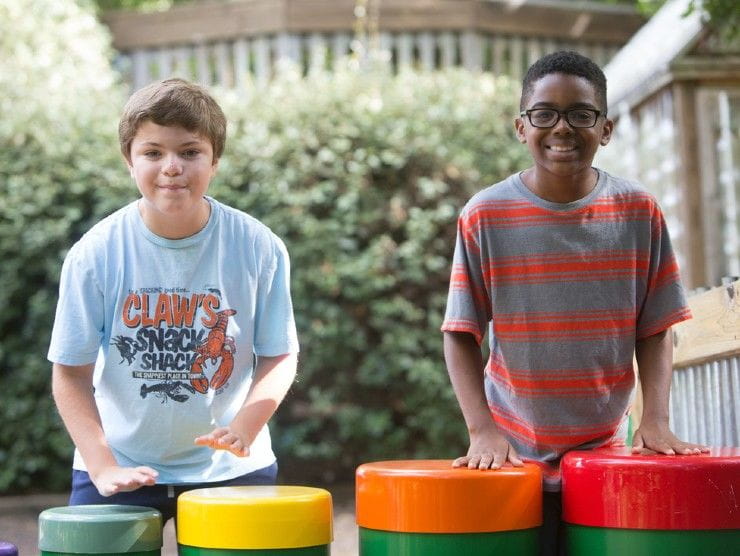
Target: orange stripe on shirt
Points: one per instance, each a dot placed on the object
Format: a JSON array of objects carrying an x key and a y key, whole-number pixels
[{"x": 570, "y": 436}]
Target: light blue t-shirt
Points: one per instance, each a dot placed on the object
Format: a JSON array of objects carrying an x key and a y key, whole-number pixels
[{"x": 174, "y": 327}]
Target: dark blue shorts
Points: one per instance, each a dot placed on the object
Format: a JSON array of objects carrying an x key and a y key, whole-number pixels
[{"x": 159, "y": 497}]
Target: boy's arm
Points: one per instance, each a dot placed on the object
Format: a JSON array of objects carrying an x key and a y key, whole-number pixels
[
  {"x": 73, "y": 394},
  {"x": 655, "y": 364},
  {"x": 488, "y": 447},
  {"x": 272, "y": 379}
]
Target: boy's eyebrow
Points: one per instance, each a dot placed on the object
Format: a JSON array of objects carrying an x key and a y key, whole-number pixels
[
  {"x": 544, "y": 104},
  {"x": 185, "y": 144}
]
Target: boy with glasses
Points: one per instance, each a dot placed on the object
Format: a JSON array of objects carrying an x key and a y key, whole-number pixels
[{"x": 574, "y": 271}]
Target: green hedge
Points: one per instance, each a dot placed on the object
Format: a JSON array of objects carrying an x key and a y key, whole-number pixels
[
  {"x": 59, "y": 172},
  {"x": 362, "y": 174}
]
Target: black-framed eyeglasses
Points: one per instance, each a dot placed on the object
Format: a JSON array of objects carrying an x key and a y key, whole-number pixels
[{"x": 549, "y": 117}]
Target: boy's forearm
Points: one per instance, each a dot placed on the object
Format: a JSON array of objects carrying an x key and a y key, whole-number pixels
[
  {"x": 73, "y": 394},
  {"x": 655, "y": 365},
  {"x": 273, "y": 377},
  {"x": 465, "y": 366}
]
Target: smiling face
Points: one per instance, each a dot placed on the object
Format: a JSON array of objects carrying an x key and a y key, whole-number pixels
[
  {"x": 172, "y": 168},
  {"x": 563, "y": 154}
]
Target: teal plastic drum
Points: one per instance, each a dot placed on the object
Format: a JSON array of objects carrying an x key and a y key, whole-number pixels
[{"x": 103, "y": 529}]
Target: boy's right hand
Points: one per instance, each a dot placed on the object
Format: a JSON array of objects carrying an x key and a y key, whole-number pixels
[
  {"x": 488, "y": 450},
  {"x": 114, "y": 479}
]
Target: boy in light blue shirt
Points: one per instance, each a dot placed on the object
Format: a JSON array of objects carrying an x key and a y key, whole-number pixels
[{"x": 174, "y": 340}]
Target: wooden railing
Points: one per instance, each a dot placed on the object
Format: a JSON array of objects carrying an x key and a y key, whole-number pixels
[
  {"x": 231, "y": 43},
  {"x": 706, "y": 379}
]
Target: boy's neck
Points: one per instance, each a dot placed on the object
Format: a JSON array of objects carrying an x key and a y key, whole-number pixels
[
  {"x": 177, "y": 226},
  {"x": 560, "y": 189}
]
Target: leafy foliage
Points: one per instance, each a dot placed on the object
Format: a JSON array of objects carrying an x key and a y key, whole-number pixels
[
  {"x": 58, "y": 173},
  {"x": 723, "y": 15},
  {"x": 361, "y": 173},
  {"x": 363, "y": 176}
]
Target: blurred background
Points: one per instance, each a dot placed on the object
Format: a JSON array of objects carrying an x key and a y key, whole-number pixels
[{"x": 357, "y": 131}]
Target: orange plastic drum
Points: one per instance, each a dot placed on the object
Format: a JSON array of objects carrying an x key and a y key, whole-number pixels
[{"x": 429, "y": 496}]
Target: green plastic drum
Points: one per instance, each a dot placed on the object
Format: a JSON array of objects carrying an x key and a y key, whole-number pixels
[
  {"x": 103, "y": 529},
  {"x": 589, "y": 541},
  {"x": 385, "y": 543}
]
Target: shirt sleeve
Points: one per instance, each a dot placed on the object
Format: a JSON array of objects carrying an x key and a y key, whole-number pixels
[
  {"x": 274, "y": 327},
  {"x": 665, "y": 301},
  {"x": 468, "y": 302},
  {"x": 79, "y": 321}
]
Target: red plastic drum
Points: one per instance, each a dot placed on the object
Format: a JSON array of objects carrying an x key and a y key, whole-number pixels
[{"x": 615, "y": 488}]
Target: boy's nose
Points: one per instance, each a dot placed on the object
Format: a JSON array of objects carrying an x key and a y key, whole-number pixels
[
  {"x": 172, "y": 166},
  {"x": 562, "y": 125}
]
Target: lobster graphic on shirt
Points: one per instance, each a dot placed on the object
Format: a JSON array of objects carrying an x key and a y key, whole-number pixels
[{"x": 216, "y": 345}]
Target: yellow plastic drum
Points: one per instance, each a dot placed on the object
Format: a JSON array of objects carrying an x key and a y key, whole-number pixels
[{"x": 255, "y": 520}]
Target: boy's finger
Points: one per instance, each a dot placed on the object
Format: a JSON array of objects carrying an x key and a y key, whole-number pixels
[
  {"x": 514, "y": 458},
  {"x": 687, "y": 448},
  {"x": 460, "y": 462},
  {"x": 225, "y": 440},
  {"x": 663, "y": 447},
  {"x": 656, "y": 448},
  {"x": 147, "y": 470},
  {"x": 142, "y": 480},
  {"x": 485, "y": 461},
  {"x": 235, "y": 444}
]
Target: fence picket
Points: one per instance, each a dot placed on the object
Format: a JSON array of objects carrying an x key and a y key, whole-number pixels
[
  {"x": 224, "y": 75},
  {"x": 241, "y": 63},
  {"x": 231, "y": 63}
]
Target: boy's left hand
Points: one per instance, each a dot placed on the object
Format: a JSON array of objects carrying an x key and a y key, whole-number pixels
[
  {"x": 223, "y": 438},
  {"x": 660, "y": 439}
]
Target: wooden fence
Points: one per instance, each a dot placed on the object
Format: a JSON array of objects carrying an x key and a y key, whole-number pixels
[
  {"x": 232, "y": 43},
  {"x": 706, "y": 378}
]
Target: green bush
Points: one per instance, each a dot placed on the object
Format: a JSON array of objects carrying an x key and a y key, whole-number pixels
[
  {"x": 363, "y": 176},
  {"x": 361, "y": 173},
  {"x": 59, "y": 172}
]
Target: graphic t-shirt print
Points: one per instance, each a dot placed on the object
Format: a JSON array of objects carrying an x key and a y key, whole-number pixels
[{"x": 176, "y": 342}]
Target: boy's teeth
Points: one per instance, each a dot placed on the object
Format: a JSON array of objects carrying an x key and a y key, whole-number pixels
[{"x": 560, "y": 149}]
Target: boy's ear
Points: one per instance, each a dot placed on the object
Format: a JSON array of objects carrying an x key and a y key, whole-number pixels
[
  {"x": 606, "y": 132},
  {"x": 127, "y": 160},
  {"x": 519, "y": 129},
  {"x": 214, "y": 167}
]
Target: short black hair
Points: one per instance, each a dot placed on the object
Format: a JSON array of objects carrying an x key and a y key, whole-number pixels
[{"x": 569, "y": 63}]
